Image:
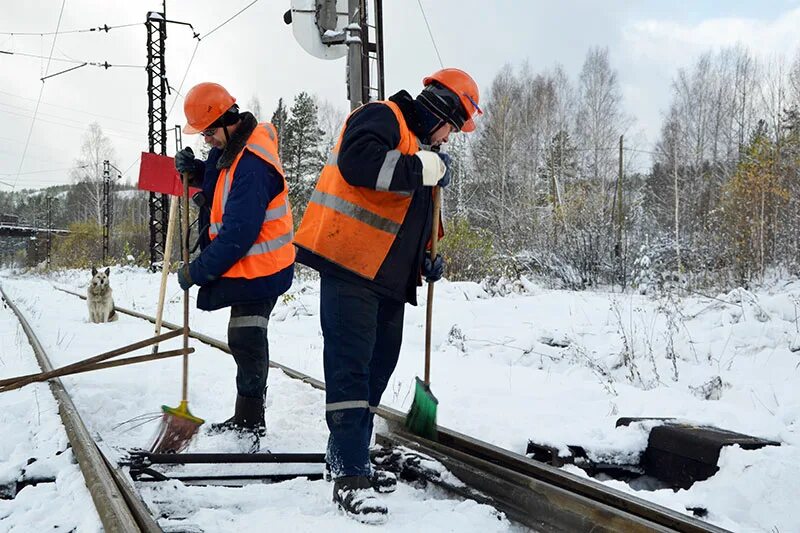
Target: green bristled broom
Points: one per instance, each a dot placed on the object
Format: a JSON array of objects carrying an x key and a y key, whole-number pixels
[{"x": 421, "y": 418}]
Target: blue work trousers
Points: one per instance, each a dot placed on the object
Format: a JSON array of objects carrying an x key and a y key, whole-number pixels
[
  {"x": 247, "y": 339},
  {"x": 362, "y": 331}
]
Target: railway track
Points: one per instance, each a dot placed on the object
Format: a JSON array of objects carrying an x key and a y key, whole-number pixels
[
  {"x": 530, "y": 493},
  {"x": 120, "y": 508}
]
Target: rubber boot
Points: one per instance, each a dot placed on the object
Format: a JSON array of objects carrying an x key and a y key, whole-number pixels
[
  {"x": 382, "y": 481},
  {"x": 354, "y": 496},
  {"x": 248, "y": 417}
]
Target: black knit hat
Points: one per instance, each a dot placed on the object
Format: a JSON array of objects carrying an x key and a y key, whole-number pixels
[
  {"x": 231, "y": 116},
  {"x": 444, "y": 104}
]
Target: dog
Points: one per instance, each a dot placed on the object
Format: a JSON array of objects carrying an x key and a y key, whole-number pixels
[{"x": 98, "y": 297}]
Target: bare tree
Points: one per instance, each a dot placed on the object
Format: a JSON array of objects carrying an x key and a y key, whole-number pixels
[
  {"x": 600, "y": 119},
  {"x": 88, "y": 171},
  {"x": 331, "y": 120},
  {"x": 254, "y": 106}
]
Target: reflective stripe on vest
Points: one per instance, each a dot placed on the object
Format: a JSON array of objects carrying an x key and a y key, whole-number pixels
[
  {"x": 354, "y": 227},
  {"x": 272, "y": 250},
  {"x": 270, "y": 214}
]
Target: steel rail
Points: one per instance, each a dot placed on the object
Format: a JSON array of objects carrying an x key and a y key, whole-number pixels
[
  {"x": 119, "y": 507},
  {"x": 570, "y": 493}
]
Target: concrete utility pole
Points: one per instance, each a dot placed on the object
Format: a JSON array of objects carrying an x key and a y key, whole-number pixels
[{"x": 361, "y": 51}]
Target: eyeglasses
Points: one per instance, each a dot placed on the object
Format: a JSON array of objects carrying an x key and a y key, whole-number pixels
[{"x": 209, "y": 132}]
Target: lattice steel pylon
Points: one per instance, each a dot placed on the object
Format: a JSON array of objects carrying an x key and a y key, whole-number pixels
[{"x": 157, "y": 87}]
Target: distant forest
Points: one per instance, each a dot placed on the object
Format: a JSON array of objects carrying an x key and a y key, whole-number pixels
[{"x": 551, "y": 185}]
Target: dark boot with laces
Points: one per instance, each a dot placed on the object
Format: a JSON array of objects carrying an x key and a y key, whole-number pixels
[
  {"x": 382, "y": 481},
  {"x": 248, "y": 418},
  {"x": 354, "y": 496}
]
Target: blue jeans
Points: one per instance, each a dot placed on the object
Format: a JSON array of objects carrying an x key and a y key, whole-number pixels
[
  {"x": 363, "y": 332},
  {"x": 247, "y": 339}
]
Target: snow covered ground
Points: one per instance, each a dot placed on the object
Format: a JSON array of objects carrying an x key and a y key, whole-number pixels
[
  {"x": 557, "y": 367},
  {"x": 31, "y": 428}
]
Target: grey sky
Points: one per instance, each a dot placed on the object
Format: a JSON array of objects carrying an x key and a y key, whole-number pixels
[{"x": 256, "y": 55}]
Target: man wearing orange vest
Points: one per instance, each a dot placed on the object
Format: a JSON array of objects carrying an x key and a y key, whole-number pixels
[
  {"x": 247, "y": 257},
  {"x": 366, "y": 229}
]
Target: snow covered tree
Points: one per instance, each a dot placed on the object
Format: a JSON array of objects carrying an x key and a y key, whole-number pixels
[
  {"x": 560, "y": 166},
  {"x": 331, "y": 120},
  {"x": 279, "y": 118},
  {"x": 254, "y": 106},
  {"x": 303, "y": 158}
]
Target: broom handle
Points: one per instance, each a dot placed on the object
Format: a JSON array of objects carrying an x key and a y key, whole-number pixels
[
  {"x": 162, "y": 291},
  {"x": 67, "y": 371},
  {"x": 185, "y": 250},
  {"x": 437, "y": 206},
  {"x": 30, "y": 378}
]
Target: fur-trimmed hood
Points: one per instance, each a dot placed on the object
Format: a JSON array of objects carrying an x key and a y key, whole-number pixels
[{"x": 238, "y": 140}]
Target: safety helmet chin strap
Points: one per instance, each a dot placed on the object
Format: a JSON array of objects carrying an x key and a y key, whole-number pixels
[{"x": 229, "y": 118}]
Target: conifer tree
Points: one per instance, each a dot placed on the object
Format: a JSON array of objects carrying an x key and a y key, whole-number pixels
[
  {"x": 279, "y": 118},
  {"x": 302, "y": 157}
]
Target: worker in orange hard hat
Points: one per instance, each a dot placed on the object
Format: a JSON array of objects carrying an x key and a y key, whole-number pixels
[
  {"x": 247, "y": 257},
  {"x": 366, "y": 229}
]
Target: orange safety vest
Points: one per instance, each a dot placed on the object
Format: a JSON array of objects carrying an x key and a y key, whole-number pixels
[
  {"x": 354, "y": 227},
  {"x": 272, "y": 250}
]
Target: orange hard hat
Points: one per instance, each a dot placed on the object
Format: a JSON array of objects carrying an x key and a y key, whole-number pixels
[
  {"x": 462, "y": 85},
  {"x": 205, "y": 103}
]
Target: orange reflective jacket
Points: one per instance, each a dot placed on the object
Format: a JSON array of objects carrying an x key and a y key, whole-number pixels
[
  {"x": 272, "y": 250},
  {"x": 354, "y": 227}
]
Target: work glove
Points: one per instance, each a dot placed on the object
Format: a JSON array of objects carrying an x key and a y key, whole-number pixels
[
  {"x": 184, "y": 278},
  {"x": 185, "y": 161},
  {"x": 447, "y": 160},
  {"x": 434, "y": 169},
  {"x": 432, "y": 270}
]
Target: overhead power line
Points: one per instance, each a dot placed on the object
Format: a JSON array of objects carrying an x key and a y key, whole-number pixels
[
  {"x": 104, "y": 64},
  {"x": 44, "y": 171},
  {"x": 39, "y": 99},
  {"x": 430, "y": 33},
  {"x": 245, "y": 8},
  {"x": 178, "y": 92},
  {"x": 75, "y": 109},
  {"x": 65, "y": 121},
  {"x": 104, "y": 28}
]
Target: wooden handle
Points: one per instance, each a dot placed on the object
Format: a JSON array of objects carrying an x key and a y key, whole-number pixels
[
  {"x": 162, "y": 291},
  {"x": 185, "y": 253},
  {"x": 437, "y": 207},
  {"x": 65, "y": 371},
  {"x": 41, "y": 376}
]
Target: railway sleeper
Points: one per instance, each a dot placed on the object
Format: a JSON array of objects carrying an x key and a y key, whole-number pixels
[
  {"x": 188, "y": 467},
  {"x": 678, "y": 454}
]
